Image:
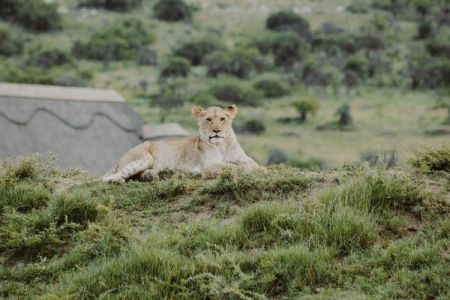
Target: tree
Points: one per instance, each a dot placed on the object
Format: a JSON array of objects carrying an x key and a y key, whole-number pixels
[
  {"x": 305, "y": 106},
  {"x": 172, "y": 96},
  {"x": 344, "y": 115}
]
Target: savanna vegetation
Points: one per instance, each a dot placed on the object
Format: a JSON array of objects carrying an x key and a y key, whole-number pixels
[
  {"x": 336, "y": 97},
  {"x": 356, "y": 232}
]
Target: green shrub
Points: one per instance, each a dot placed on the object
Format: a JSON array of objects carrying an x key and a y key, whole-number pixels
[
  {"x": 357, "y": 7},
  {"x": 315, "y": 72},
  {"x": 306, "y": 105},
  {"x": 289, "y": 21},
  {"x": 253, "y": 126},
  {"x": 240, "y": 63},
  {"x": 172, "y": 96},
  {"x": 357, "y": 64},
  {"x": 119, "y": 41},
  {"x": 115, "y": 5},
  {"x": 440, "y": 45},
  {"x": 288, "y": 49},
  {"x": 277, "y": 156},
  {"x": 176, "y": 67},
  {"x": 264, "y": 42},
  {"x": 428, "y": 72},
  {"x": 37, "y": 15},
  {"x": 198, "y": 49},
  {"x": 204, "y": 99},
  {"x": 12, "y": 43},
  {"x": 271, "y": 86},
  {"x": 336, "y": 44},
  {"x": 425, "y": 30},
  {"x": 50, "y": 57},
  {"x": 172, "y": 10},
  {"x": 313, "y": 164},
  {"x": 433, "y": 160},
  {"x": 234, "y": 91}
]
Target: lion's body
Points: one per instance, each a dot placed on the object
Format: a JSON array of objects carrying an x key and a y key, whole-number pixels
[{"x": 202, "y": 154}]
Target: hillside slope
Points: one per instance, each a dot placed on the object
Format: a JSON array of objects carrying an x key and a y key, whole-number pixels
[{"x": 351, "y": 233}]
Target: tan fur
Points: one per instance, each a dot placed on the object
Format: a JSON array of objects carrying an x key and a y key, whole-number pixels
[{"x": 214, "y": 150}]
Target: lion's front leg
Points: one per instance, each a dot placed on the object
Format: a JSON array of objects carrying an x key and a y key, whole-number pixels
[{"x": 215, "y": 169}]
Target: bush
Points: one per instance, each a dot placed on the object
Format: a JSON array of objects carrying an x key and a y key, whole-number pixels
[
  {"x": 115, "y": 5},
  {"x": 119, "y": 41},
  {"x": 316, "y": 73},
  {"x": 264, "y": 42},
  {"x": 11, "y": 42},
  {"x": 240, "y": 63},
  {"x": 172, "y": 96},
  {"x": 433, "y": 160},
  {"x": 289, "y": 21},
  {"x": 197, "y": 50},
  {"x": 425, "y": 30},
  {"x": 427, "y": 72},
  {"x": 271, "y": 86},
  {"x": 305, "y": 106},
  {"x": 440, "y": 44},
  {"x": 288, "y": 49},
  {"x": 344, "y": 115},
  {"x": 357, "y": 7},
  {"x": 336, "y": 44},
  {"x": 37, "y": 15},
  {"x": 234, "y": 91},
  {"x": 277, "y": 156},
  {"x": 203, "y": 99},
  {"x": 50, "y": 57},
  {"x": 172, "y": 10},
  {"x": 313, "y": 164},
  {"x": 253, "y": 126},
  {"x": 176, "y": 67}
]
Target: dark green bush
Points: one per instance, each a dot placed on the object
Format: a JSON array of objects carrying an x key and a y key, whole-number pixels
[
  {"x": 37, "y": 15},
  {"x": 253, "y": 126},
  {"x": 288, "y": 49},
  {"x": 428, "y": 72},
  {"x": 357, "y": 7},
  {"x": 119, "y": 41},
  {"x": 336, "y": 44},
  {"x": 11, "y": 42},
  {"x": 289, "y": 21},
  {"x": 240, "y": 63},
  {"x": 315, "y": 72},
  {"x": 197, "y": 50},
  {"x": 271, "y": 86},
  {"x": 370, "y": 42},
  {"x": 263, "y": 42},
  {"x": 440, "y": 44},
  {"x": 204, "y": 99},
  {"x": 358, "y": 65},
  {"x": 234, "y": 91},
  {"x": 172, "y": 10},
  {"x": 425, "y": 30},
  {"x": 176, "y": 67},
  {"x": 277, "y": 156},
  {"x": 173, "y": 95},
  {"x": 50, "y": 57},
  {"x": 115, "y": 5}
]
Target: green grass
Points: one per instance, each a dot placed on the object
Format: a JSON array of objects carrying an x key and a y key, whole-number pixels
[{"x": 362, "y": 233}]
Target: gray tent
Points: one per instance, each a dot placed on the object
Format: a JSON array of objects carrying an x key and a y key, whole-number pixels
[{"x": 87, "y": 128}]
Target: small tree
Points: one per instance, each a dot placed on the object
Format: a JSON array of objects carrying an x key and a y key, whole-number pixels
[
  {"x": 176, "y": 67},
  {"x": 172, "y": 10},
  {"x": 289, "y": 21},
  {"x": 305, "y": 106},
  {"x": 172, "y": 96},
  {"x": 344, "y": 115}
]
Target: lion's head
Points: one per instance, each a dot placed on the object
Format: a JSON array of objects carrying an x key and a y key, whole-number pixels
[{"x": 214, "y": 122}]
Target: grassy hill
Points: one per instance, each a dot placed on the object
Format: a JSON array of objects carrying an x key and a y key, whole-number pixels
[
  {"x": 389, "y": 116},
  {"x": 356, "y": 232}
]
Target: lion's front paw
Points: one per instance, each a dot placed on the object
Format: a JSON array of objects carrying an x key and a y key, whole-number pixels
[
  {"x": 149, "y": 175},
  {"x": 114, "y": 178}
]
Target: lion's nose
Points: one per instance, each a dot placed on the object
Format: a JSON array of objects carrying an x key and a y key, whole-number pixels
[{"x": 216, "y": 131}]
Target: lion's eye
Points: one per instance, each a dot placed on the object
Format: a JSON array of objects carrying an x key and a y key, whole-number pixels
[
  {"x": 222, "y": 119},
  {"x": 208, "y": 119}
]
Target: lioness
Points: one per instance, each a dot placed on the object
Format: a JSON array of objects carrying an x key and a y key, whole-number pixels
[{"x": 214, "y": 150}]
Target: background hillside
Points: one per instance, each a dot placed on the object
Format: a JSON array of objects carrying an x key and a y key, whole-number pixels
[{"x": 382, "y": 63}]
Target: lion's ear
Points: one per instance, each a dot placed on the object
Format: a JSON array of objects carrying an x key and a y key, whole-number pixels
[
  {"x": 232, "y": 110},
  {"x": 197, "y": 111}
]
